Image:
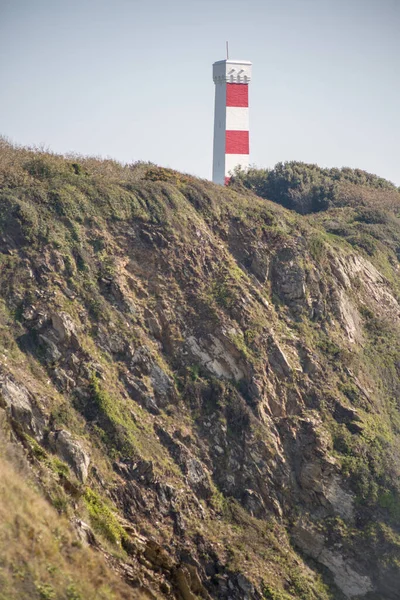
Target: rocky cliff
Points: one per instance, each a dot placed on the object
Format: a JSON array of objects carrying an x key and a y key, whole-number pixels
[{"x": 199, "y": 388}]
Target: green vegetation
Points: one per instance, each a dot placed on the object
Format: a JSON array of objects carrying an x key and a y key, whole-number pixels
[
  {"x": 308, "y": 188},
  {"x": 39, "y": 556},
  {"x": 224, "y": 362},
  {"x": 272, "y": 594},
  {"x": 102, "y": 518}
]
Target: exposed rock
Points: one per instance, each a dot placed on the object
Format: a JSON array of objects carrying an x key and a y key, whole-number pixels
[
  {"x": 139, "y": 392},
  {"x": 162, "y": 384},
  {"x": 278, "y": 358},
  {"x": 349, "y": 316},
  {"x": 157, "y": 555},
  {"x": 348, "y": 416},
  {"x": 153, "y": 324},
  {"x": 111, "y": 341},
  {"x": 245, "y": 585},
  {"x": 52, "y": 353},
  {"x": 215, "y": 357},
  {"x": 64, "y": 327},
  {"x": 141, "y": 361},
  {"x": 259, "y": 265},
  {"x": 29, "y": 313},
  {"x": 341, "y": 500},
  {"x": 345, "y": 572},
  {"x": 253, "y": 502},
  {"x": 71, "y": 451},
  {"x": 21, "y": 407},
  {"x": 189, "y": 583},
  {"x": 85, "y": 533},
  {"x": 64, "y": 381},
  {"x": 353, "y": 270},
  {"x": 196, "y": 475},
  {"x": 141, "y": 470},
  {"x": 288, "y": 277},
  {"x": 309, "y": 361},
  {"x": 143, "y": 364},
  {"x": 348, "y": 579}
]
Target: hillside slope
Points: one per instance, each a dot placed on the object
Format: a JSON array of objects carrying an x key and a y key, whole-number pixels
[{"x": 204, "y": 385}]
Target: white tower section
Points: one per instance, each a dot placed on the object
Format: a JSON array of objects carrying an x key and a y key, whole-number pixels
[{"x": 231, "y": 117}]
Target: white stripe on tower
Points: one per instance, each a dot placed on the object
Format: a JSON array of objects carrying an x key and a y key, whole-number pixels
[
  {"x": 231, "y": 122},
  {"x": 237, "y": 118}
]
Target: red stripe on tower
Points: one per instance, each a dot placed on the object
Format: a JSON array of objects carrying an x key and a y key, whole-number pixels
[
  {"x": 237, "y": 94},
  {"x": 237, "y": 142}
]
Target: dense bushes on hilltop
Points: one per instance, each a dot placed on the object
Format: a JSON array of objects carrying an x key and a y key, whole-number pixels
[{"x": 308, "y": 188}]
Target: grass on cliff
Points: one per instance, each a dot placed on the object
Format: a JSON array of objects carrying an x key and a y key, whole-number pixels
[{"x": 40, "y": 558}]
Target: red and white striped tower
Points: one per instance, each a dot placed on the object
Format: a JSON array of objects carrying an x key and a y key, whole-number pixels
[{"x": 231, "y": 118}]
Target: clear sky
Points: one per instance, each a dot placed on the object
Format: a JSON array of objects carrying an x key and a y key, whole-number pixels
[{"x": 131, "y": 79}]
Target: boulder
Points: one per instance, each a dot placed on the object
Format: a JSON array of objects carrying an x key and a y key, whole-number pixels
[
  {"x": 278, "y": 358},
  {"x": 162, "y": 384},
  {"x": 51, "y": 351},
  {"x": 71, "y": 451},
  {"x": 21, "y": 407},
  {"x": 64, "y": 327}
]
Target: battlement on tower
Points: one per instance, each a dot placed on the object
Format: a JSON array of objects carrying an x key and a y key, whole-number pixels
[{"x": 232, "y": 71}]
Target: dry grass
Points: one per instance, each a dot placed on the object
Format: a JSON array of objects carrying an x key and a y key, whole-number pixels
[
  {"x": 25, "y": 166},
  {"x": 40, "y": 557}
]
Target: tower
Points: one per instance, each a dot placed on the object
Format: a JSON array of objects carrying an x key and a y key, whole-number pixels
[{"x": 231, "y": 117}]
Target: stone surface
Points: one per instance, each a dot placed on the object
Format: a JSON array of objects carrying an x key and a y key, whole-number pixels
[
  {"x": 64, "y": 327},
  {"x": 342, "y": 501},
  {"x": 140, "y": 393},
  {"x": 349, "y": 577},
  {"x": 52, "y": 353},
  {"x": 278, "y": 358},
  {"x": 215, "y": 357},
  {"x": 71, "y": 451},
  {"x": 21, "y": 407},
  {"x": 288, "y": 277},
  {"x": 162, "y": 384}
]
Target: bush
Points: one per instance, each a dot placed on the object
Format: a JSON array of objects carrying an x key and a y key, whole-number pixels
[
  {"x": 307, "y": 188},
  {"x": 270, "y": 593},
  {"x": 102, "y": 518}
]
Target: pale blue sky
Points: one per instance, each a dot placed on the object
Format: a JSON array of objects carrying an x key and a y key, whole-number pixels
[{"x": 132, "y": 79}]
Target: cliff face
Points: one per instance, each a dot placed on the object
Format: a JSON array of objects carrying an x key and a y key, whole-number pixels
[{"x": 203, "y": 384}]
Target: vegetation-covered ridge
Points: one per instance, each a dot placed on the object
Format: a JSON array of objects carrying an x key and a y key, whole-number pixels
[
  {"x": 199, "y": 389},
  {"x": 309, "y": 188}
]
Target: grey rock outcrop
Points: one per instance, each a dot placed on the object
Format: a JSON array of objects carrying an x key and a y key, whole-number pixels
[
  {"x": 21, "y": 407},
  {"x": 64, "y": 327},
  {"x": 220, "y": 358},
  {"x": 278, "y": 358},
  {"x": 346, "y": 573},
  {"x": 51, "y": 352},
  {"x": 288, "y": 277},
  {"x": 71, "y": 451},
  {"x": 196, "y": 474}
]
